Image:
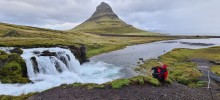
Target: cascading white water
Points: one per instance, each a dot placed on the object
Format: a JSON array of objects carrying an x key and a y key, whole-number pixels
[{"x": 60, "y": 68}]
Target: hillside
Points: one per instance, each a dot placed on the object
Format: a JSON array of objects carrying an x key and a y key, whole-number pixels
[
  {"x": 26, "y": 36},
  {"x": 105, "y": 21}
]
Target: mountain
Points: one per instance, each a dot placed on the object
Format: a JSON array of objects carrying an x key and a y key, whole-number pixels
[{"x": 104, "y": 20}]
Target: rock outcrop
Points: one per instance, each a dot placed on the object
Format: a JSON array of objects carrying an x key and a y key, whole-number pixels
[
  {"x": 78, "y": 54},
  {"x": 103, "y": 10}
]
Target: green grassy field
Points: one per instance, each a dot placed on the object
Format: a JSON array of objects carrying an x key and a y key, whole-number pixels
[
  {"x": 25, "y": 36},
  {"x": 180, "y": 67},
  {"x": 216, "y": 69}
]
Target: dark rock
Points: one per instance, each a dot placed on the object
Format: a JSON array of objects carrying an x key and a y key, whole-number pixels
[
  {"x": 214, "y": 62},
  {"x": 57, "y": 65},
  {"x": 80, "y": 54},
  {"x": 142, "y": 59},
  {"x": 16, "y": 50},
  {"x": 35, "y": 64},
  {"x": 198, "y": 44},
  {"x": 103, "y": 10},
  {"x": 48, "y": 53},
  {"x": 68, "y": 57},
  {"x": 83, "y": 53},
  {"x": 64, "y": 60},
  {"x": 36, "y": 52}
]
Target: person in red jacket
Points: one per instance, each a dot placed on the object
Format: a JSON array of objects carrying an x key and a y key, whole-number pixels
[
  {"x": 163, "y": 72},
  {"x": 160, "y": 72}
]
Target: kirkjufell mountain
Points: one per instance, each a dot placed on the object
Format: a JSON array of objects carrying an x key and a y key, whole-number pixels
[{"x": 105, "y": 21}]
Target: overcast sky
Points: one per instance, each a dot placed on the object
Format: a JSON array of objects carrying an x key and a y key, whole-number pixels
[{"x": 167, "y": 16}]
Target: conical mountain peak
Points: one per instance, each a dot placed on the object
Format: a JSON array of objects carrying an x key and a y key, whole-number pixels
[
  {"x": 103, "y": 10},
  {"x": 105, "y": 21},
  {"x": 103, "y": 5}
]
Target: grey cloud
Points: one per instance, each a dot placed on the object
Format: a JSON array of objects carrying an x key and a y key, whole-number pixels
[{"x": 169, "y": 16}]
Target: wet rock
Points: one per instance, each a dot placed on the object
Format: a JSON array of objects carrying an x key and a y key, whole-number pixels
[
  {"x": 78, "y": 54},
  {"x": 64, "y": 60},
  {"x": 57, "y": 65},
  {"x": 35, "y": 64},
  {"x": 198, "y": 44},
  {"x": 17, "y": 50},
  {"x": 83, "y": 51},
  {"x": 68, "y": 57},
  {"x": 214, "y": 62},
  {"x": 48, "y": 53},
  {"x": 142, "y": 59},
  {"x": 36, "y": 52}
]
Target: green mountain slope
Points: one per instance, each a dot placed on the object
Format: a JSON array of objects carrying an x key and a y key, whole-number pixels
[
  {"x": 105, "y": 21},
  {"x": 26, "y": 36}
]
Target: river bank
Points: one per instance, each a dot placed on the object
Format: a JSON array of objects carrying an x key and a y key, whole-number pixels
[{"x": 189, "y": 75}]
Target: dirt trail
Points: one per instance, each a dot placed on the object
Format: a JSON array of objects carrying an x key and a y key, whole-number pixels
[
  {"x": 174, "y": 91},
  {"x": 214, "y": 80}
]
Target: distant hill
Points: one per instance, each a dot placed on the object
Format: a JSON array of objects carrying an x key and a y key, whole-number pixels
[
  {"x": 105, "y": 21},
  {"x": 11, "y": 30}
]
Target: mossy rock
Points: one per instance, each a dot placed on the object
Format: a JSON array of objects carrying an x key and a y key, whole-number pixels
[{"x": 13, "y": 69}]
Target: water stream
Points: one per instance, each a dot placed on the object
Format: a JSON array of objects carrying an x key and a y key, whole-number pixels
[{"x": 47, "y": 72}]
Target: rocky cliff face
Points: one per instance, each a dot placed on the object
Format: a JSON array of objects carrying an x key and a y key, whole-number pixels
[
  {"x": 104, "y": 20},
  {"x": 103, "y": 10}
]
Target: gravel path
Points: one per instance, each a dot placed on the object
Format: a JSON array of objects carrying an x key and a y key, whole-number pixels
[{"x": 173, "y": 91}]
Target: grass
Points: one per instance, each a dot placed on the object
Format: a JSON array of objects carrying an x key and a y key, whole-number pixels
[
  {"x": 119, "y": 83},
  {"x": 37, "y": 37},
  {"x": 88, "y": 85},
  {"x": 180, "y": 67},
  {"x": 107, "y": 25},
  {"x": 21, "y": 97},
  {"x": 116, "y": 84},
  {"x": 216, "y": 69}
]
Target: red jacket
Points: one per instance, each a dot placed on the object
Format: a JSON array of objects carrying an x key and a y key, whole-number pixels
[{"x": 163, "y": 71}]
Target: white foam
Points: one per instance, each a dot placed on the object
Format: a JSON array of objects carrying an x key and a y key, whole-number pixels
[{"x": 49, "y": 77}]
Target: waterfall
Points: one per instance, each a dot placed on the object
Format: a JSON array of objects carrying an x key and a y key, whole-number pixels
[
  {"x": 54, "y": 61},
  {"x": 51, "y": 67}
]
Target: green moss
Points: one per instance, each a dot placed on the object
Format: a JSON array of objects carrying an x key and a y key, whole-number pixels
[
  {"x": 3, "y": 55},
  {"x": 12, "y": 73},
  {"x": 21, "y": 97},
  {"x": 88, "y": 85},
  {"x": 13, "y": 69},
  {"x": 138, "y": 79},
  {"x": 116, "y": 84},
  {"x": 216, "y": 69},
  {"x": 144, "y": 79},
  {"x": 152, "y": 81}
]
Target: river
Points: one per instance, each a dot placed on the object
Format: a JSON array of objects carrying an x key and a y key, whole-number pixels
[{"x": 63, "y": 68}]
